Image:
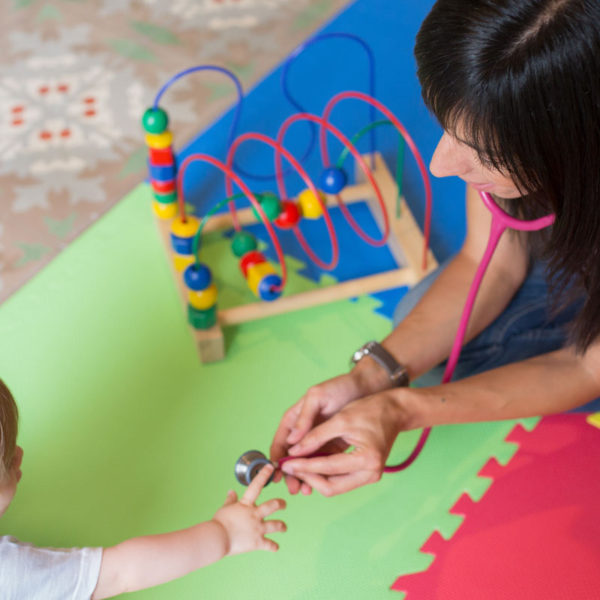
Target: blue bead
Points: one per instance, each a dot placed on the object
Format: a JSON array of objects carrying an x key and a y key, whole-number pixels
[
  {"x": 161, "y": 172},
  {"x": 197, "y": 277},
  {"x": 182, "y": 245},
  {"x": 333, "y": 180},
  {"x": 264, "y": 287}
]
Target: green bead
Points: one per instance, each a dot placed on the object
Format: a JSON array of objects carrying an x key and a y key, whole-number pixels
[
  {"x": 271, "y": 205},
  {"x": 155, "y": 120},
  {"x": 202, "y": 319},
  {"x": 243, "y": 242},
  {"x": 166, "y": 198}
]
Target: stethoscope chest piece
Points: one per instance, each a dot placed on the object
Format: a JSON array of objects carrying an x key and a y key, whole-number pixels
[{"x": 249, "y": 464}]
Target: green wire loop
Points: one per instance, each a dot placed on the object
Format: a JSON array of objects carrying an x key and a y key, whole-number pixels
[{"x": 399, "y": 157}]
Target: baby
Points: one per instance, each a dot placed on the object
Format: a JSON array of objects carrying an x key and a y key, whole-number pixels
[{"x": 27, "y": 571}]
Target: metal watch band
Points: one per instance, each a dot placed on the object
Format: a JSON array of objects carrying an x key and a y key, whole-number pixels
[{"x": 398, "y": 373}]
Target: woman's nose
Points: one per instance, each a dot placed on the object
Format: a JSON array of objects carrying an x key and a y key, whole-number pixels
[{"x": 448, "y": 158}]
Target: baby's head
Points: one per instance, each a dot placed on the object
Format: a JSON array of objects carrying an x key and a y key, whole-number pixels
[{"x": 10, "y": 453}]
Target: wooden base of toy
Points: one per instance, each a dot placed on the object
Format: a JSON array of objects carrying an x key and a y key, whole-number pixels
[{"x": 405, "y": 243}]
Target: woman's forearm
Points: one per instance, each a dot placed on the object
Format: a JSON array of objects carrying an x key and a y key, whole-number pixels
[{"x": 545, "y": 384}]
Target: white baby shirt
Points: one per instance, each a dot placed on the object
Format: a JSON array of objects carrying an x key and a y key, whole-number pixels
[{"x": 31, "y": 573}]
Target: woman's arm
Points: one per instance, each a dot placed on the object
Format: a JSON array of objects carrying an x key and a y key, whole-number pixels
[{"x": 424, "y": 338}]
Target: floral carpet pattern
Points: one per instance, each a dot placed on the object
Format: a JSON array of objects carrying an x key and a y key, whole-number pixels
[{"x": 75, "y": 76}]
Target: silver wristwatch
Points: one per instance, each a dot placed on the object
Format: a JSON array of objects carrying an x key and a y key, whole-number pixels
[{"x": 398, "y": 373}]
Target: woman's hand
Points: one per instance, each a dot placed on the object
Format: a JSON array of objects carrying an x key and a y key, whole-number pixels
[
  {"x": 370, "y": 425},
  {"x": 244, "y": 521},
  {"x": 319, "y": 404}
]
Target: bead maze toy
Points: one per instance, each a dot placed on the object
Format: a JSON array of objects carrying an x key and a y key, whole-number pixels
[{"x": 181, "y": 232}]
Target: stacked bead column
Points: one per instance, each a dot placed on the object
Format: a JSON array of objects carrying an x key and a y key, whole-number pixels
[
  {"x": 260, "y": 274},
  {"x": 161, "y": 162},
  {"x": 202, "y": 296}
]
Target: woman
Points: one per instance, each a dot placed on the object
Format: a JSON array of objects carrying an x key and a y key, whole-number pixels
[{"x": 515, "y": 85}]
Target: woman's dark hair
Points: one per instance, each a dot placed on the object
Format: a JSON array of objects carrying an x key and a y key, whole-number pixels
[{"x": 521, "y": 78}]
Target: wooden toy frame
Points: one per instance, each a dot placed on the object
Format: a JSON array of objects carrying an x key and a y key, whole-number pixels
[{"x": 405, "y": 243}]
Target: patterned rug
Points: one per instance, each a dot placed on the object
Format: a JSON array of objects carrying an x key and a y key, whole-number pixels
[{"x": 75, "y": 76}]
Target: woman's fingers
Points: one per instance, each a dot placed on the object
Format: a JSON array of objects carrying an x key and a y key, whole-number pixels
[
  {"x": 319, "y": 436},
  {"x": 279, "y": 445},
  {"x": 334, "y": 464},
  {"x": 338, "y": 484}
]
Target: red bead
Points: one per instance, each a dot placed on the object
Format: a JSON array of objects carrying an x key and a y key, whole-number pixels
[
  {"x": 161, "y": 157},
  {"x": 289, "y": 216},
  {"x": 251, "y": 258},
  {"x": 163, "y": 187}
]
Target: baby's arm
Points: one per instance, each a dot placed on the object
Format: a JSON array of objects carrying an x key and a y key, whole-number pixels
[{"x": 237, "y": 527}]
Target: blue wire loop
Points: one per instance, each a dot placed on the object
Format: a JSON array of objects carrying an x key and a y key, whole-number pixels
[
  {"x": 228, "y": 73},
  {"x": 286, "y": 92},
  {"x": 298, "y": 51}
]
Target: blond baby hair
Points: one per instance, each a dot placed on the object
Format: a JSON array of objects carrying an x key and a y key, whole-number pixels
[{"x": 9, "y": 417}]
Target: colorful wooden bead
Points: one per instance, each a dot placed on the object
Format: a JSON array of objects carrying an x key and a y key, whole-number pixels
[
  {"x": 182, "y": 261},
  {"x": 164, "y": 211},
  {"x": 289, "y": 215},
  {"x": 197, "y": 277},
  {"x": 161, "y": 156},
  {"x": 161, "y": 172},
  {"x": 333, "y": 180},
  {"x": 205, "y": 299},
  {"x": 155, "y": 120},
  {"x": 182, "y": 234},
  {"x": 266, "y": 287},
  {"x": 159, "y": 140},
  {"x": 309, "y": 204},
  {"x": 202, "y": 319},
  {"x": 163, "y": 187},
  {"x": 256, "y": 273},
  {"x": 251, "y": 258},
  {"x": 165, "y": 198},
  {"x": 270, "y": 205},
  {"x": 243, "y": 242}
]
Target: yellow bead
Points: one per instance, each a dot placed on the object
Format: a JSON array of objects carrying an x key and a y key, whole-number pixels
[
  {"x": 256, "y": 273},
  {"x": 309, "y": 204},
  {"x": 205, "y": 299},
  {"x": 185, "y": 229},
  {"x": 164, "y": 211},
  {"x": 182, "y": 261},
  {"x": 159, "y": 141}
]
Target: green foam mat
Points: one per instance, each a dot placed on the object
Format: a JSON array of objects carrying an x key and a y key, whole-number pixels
[{"x": 126, "y": 433}]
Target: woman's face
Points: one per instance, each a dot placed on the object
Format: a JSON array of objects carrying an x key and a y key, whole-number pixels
[{"x": 455, "y": 157}]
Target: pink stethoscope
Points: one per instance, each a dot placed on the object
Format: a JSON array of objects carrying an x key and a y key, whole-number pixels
[
  {"x": 501, "y": 221},
  {"x": 251, "y": 461}
]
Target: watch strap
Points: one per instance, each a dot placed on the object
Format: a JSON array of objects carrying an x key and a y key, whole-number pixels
[{"x": 397, "y": 372}]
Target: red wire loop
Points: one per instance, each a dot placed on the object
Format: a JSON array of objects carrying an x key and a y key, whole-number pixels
[
  {"x": 326, "y": 126},
  {"x": 409, "y": 142},
  {"x": 231, "y": 175},
  {"x": 280, "y": 150}
]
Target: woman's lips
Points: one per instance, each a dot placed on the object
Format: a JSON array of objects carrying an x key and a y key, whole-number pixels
[{"x": 481, "y": 187}]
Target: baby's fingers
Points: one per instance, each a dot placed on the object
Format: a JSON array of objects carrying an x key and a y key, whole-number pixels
[
  {"x": 257, "y": 484},
  {"x": 269, "y": 545},
  {"x": 231, "y": 498},
  {"x": 269, "y": 507},
  {"x": 274, "y": 526}
]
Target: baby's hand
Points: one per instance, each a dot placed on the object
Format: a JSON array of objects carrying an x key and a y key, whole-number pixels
[{"x": 245, "y": 522}]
